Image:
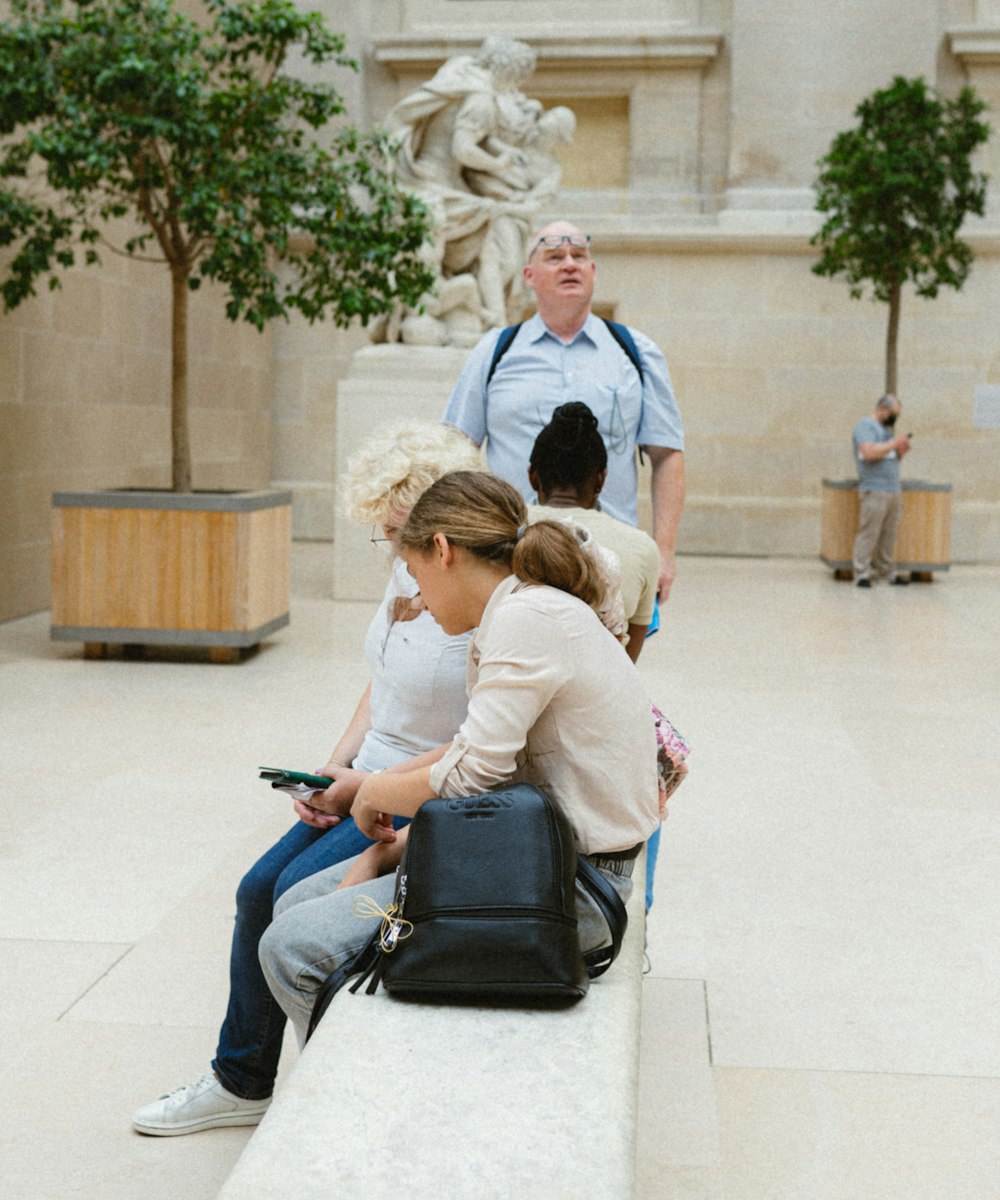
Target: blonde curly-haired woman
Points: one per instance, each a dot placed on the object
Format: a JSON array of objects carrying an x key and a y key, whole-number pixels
[{"x": 416, "y": 699}]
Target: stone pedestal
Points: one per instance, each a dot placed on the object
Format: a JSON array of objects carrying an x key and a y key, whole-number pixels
[{"x": 385, "y": 384}]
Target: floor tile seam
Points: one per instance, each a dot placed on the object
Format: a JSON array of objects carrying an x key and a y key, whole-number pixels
[
  {"x": 652, "y": 976},
  {"x": 731, "y": 1066},
  {"x": 830, "y": 1070},
  {"x": 94, "y": 982},
  {"x": 708, "y": 1022},
  {"x": 109, "y": 1023},
  {"x": 94, "y": 943},
  {"x": 704, "y": 988}
]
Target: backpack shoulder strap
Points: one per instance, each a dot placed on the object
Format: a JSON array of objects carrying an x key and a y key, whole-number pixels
[
  {"x": 623, "y": 336},
  {"x": 504, "y": 342},
  {"x": 610, "y": 904},
  {"x": 363, "y": 963},
  {"x": 620, "y": 333}
]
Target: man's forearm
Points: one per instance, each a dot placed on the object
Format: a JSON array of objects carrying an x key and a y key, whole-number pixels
[{"x": 667, "y": 495}]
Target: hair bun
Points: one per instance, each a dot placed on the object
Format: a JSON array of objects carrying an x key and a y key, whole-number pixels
[{"x": 575, "y": 413}]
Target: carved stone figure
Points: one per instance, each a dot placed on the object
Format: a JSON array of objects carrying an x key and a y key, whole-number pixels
[{"x": 480, "y": 154}]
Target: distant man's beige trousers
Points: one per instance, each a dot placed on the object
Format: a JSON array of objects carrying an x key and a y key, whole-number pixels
[{"x": 876, "y": 536}]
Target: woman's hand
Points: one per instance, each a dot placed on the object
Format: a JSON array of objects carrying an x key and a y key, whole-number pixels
[
  {"x": 312, "y": 816},
  {"x": 668, "y": 788},
  {"x": 323, "y": 810},
  {"x": 364, "y": 869},
  {"x": 339, "y": 796},
  {"x": 369, "y": 819},
  {"x": 380, "y": 859}
]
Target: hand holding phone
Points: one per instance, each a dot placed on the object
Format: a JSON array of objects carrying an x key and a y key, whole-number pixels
[{"x": 294, "y": 781}]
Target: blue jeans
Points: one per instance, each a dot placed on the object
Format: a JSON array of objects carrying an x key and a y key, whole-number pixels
[{"x": 250, "y": 1038}]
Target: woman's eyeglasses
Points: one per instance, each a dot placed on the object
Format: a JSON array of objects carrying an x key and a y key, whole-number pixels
[{"x": 382, "y": 541}]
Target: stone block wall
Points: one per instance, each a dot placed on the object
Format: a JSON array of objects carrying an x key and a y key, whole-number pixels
[
  {"x": 84, "y": 403},
  {"x": 773, "y": 366},
  {"x": 699, "y": 126}
]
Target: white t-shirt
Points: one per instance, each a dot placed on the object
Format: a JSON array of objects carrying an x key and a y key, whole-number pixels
[{"x": 418, "y": 674}]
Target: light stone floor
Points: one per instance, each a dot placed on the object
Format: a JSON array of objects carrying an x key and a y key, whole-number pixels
[{"x": 822, "y": 1018}]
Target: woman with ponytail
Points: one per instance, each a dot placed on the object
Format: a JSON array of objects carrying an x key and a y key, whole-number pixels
[{"x": 553, "y": 701}]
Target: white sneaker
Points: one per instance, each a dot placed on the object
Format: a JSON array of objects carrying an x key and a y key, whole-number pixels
[{"x": 204, "y": 1104}]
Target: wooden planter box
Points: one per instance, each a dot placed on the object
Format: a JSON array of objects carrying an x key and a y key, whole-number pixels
[
  {"x": 923, "y": 543},
  {"x": 165, "y": 568}
]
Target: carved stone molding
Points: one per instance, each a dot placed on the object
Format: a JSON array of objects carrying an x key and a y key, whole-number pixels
[
  {"x": 657, "y": 51},
  {"x": 975, "y": 46}
]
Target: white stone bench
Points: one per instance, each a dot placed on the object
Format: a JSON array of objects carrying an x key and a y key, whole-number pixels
[{"x": 407, "y": 1101}]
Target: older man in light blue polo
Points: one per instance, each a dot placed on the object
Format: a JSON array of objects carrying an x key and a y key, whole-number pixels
[
  {"x": 565, "y": 353},
  {"x": 515, "y": 379}
]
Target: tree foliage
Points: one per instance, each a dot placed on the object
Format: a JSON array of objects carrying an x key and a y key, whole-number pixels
[
  {"x": 116, "y": 108},
  {"x": 896, "y": 190}
]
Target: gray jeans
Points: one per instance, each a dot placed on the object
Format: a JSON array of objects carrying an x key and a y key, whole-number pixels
[
  {"x": 876, "y": 536},
  {"x": 315, "y": 930}
]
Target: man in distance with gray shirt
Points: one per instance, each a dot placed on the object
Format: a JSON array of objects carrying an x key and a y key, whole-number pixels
[{"x": 877, "y": 454}]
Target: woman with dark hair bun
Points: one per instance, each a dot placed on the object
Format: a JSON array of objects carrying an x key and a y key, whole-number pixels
[
  {"x": 567, "y": 469},
  {"x": 552, "y": 701},
  {"x": 570, "y": 452}
]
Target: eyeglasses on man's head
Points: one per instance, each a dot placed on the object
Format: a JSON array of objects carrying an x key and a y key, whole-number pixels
[{"x": 553, "y": 241}]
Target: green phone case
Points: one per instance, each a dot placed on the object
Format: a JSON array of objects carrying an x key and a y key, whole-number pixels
[{"x": 282, "y": 778}]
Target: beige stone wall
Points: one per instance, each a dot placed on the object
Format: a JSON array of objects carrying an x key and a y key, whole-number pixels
[
  {"x": 700, "y": 125},
  {"x": 84, "y": 403},
  {"x": 774, "y": 365},
  {"x": 699, "y": 128}
]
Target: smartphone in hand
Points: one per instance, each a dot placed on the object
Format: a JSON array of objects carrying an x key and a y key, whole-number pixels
[{"x": 280, "y": 778}]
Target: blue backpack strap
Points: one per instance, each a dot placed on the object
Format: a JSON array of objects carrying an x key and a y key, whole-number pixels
[
  {"x": 504, "y": 342},
  {"x": 623, "y": 337},
  {"x": 620, "y": 333}
]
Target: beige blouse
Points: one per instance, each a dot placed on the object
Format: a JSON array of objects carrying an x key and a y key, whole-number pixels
[{"x": 555, "y": 701}]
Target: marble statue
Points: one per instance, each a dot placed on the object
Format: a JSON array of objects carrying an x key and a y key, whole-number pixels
[{"x": 482, "y": 156}]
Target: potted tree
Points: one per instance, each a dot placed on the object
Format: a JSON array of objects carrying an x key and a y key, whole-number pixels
[
  {"x": 895, "y": 191},
  {"x": 195, "y": 138}
]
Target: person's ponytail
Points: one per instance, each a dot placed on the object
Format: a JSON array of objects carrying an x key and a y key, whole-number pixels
[
  {"x": 548, "y": 552},
  {"x": 485, "y": 515}
]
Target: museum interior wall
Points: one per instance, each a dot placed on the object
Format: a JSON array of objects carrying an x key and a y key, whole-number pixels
[
  {"x": 84, "y": 403},
  {"x": 698, "y": 130},
  {"x": 699, "y": 123}
]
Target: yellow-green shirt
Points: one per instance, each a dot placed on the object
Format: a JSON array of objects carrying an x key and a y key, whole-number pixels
[{"x": 636, "y": 550}]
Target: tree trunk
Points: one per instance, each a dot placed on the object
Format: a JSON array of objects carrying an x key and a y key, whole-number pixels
[
  {"x": 891, "y": 339},
  {"x": 180, "y": 441}
]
